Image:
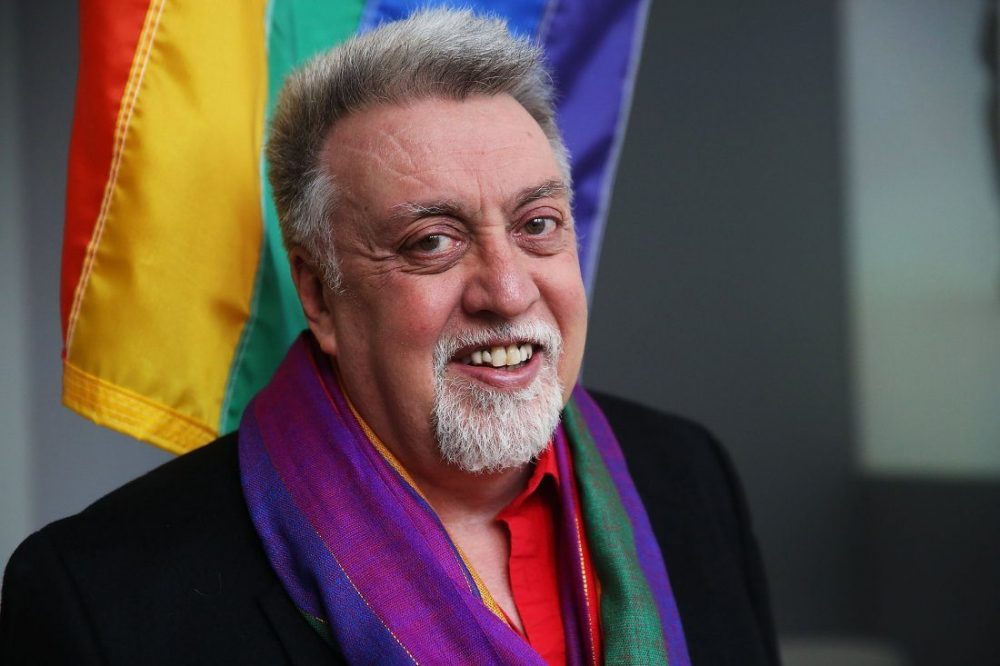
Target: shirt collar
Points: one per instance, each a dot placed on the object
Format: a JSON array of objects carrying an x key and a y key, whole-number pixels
[{"x": 545, "y": 467}]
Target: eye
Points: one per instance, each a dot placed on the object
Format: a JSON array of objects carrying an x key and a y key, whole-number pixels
[
  {"x": 432, "y": 244},
  {"x": 539, "y": 226}
]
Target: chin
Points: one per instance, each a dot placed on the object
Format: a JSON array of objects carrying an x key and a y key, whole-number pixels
[{"x": 481, "y": 430}]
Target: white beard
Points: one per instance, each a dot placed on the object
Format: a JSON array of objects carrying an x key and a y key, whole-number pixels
[{"x": 480, "y": 429}]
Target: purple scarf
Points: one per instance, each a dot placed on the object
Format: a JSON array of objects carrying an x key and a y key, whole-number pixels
[{"x": 369, "y": 564}]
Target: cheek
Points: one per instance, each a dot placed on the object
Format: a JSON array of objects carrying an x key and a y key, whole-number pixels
[
  {"x": 567, "y": 301},
  {"x": 574, "y": 331},
  {"x": 572, "y": 314},
  {"x": 414, "y": 311}
]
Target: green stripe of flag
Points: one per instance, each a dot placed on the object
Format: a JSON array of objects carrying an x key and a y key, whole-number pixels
[{"x": 296, "y": 30}]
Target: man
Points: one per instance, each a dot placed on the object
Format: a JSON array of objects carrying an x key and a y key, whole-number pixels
[{"x": 420, "y": 482}]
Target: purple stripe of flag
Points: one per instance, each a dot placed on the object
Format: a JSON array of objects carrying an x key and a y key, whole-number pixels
[{"x": 593, "y": 50}]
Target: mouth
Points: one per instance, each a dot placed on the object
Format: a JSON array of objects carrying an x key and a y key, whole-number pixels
[
  {"x": 511, "y": 356},
  {"x": 507, "y": 357},
  {"x": 501, "y": 365}
]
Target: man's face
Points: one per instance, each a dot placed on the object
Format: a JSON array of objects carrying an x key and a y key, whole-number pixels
[{"x": 454, "y": 233}]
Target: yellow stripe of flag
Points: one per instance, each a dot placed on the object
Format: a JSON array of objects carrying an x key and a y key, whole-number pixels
[{"x": 184, "y": 207}]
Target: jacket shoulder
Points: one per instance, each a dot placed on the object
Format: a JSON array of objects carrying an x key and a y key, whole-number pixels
[
  {"x": 166, "y": 567},
  {"x": 191, "y": 495},
  {"x": 649, "y": 437}
]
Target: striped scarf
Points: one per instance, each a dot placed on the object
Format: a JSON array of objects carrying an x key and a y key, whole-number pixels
[{"x": 371, "y": 567}]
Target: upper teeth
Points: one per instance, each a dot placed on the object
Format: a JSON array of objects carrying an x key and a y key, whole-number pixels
[{"x": 499, "y": 356}]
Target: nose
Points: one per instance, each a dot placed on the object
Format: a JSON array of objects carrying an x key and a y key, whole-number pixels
[{"x": 500, "y": 281}]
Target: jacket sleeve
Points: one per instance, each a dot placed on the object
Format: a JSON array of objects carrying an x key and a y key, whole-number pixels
[
  {"x": 753, "y": 564},
  {"x": 42, "y": 615}
]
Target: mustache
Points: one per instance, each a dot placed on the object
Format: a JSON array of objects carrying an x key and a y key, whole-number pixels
[{"x": 535, "y": 331}]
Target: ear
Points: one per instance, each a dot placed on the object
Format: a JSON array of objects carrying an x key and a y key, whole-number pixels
[{"x": 313, "y": 294}]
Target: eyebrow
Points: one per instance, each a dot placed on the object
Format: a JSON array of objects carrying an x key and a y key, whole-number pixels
[
  {"x": 548, "y": 189},
  {"x": 414, "y": 210}
]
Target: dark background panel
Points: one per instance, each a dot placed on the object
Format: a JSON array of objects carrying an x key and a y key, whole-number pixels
[{"x": 934, "y": 559}]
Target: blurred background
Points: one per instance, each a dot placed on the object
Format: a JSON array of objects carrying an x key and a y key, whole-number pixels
[{"x": 803, "y": 252}]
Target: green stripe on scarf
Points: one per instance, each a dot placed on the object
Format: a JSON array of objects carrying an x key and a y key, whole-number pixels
[
  {"x": 631, "y": 629},
  {"x": 320, "y": 627}
]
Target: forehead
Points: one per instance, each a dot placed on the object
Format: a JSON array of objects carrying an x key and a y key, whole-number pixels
[{"x": 484, "y": 147}]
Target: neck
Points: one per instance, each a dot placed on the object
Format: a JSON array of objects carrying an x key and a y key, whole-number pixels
[
  {"x": 462, "y": 498},
  {"x": 467, "y": 505}
]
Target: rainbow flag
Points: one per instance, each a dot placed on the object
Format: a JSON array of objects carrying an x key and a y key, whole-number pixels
[{"x": 176, "y": 301}]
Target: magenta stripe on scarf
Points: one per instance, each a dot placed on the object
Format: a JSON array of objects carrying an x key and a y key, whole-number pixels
[{"x": 303, "y": 563}]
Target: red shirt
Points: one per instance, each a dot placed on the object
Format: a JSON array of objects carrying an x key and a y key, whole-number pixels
[{"x": 532, "y": 520}]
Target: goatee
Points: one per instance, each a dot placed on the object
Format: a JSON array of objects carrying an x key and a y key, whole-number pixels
[{"x": 480, "y": 429}]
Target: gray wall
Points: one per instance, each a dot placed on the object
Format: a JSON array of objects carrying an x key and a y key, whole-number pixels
[{"x": 15, "y": 486}]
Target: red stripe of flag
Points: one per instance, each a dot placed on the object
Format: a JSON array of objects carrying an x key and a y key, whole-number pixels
[{"x": 109, "y": 32}]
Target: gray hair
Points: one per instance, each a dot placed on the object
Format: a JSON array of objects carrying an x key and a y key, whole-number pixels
[{"x": 435, "y": 53}]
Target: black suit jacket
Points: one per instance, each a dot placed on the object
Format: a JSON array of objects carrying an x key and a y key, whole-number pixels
[{"x": 169, "y": 570}]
